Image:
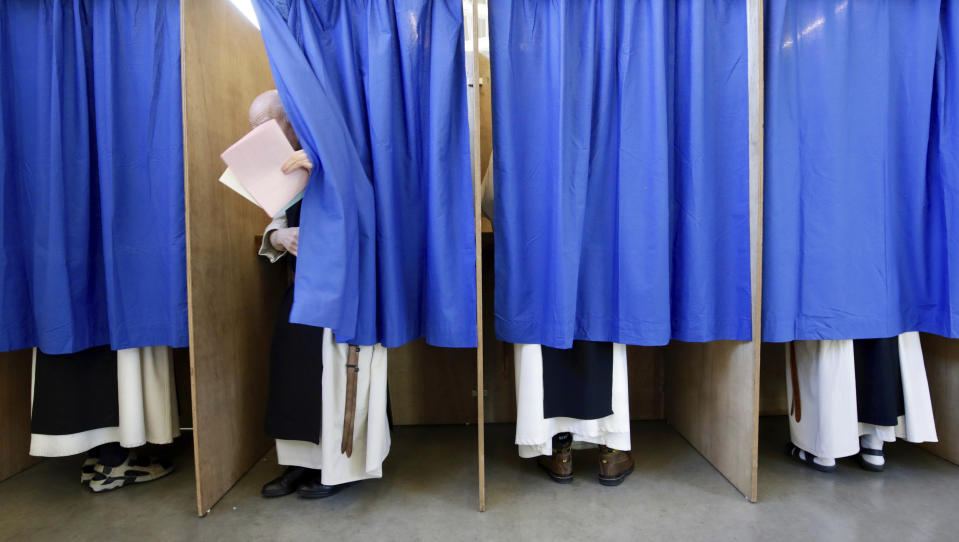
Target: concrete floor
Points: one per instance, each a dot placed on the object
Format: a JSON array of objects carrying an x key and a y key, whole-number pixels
[{"x": 429, "y": 493}]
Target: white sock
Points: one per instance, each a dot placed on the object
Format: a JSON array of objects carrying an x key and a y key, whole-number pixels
[
  {"x": 823, "y": 461},
  {"x": 872, "y": 442}
]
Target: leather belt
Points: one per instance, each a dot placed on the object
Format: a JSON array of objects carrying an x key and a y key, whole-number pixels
[
  {"x": 796, "y": 406},
  {"x": 349, "y": 407}
]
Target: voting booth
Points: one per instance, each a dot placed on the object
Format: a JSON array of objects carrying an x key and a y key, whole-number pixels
[
  {"x": 232, "y": 296},
  {"x": 709, "y": 392}
]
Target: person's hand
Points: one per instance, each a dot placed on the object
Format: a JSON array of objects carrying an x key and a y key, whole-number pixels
[
  {"x": 297, "y": 160},
  {"x": 285, "y": 239}
]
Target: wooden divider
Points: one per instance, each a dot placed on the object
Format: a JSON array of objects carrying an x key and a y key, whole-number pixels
[
  {"x": 477, "y": 168},
  {"x": 772, "y": 380},
  {"x": 712, "y": 389},
  {"x": 711, "y": 399},
  {"x": 430, "y": 385},
  {"x": 233, "y": 293},
  {"x": 942, "y": 369},
  {"x": 15, "y": 381}
]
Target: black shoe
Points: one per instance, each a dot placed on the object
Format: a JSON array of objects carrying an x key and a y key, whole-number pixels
[
  {"x": 313, "y": 488},
  {"x": 807, "y": 459},
  {"x": 871, "y": 467},
  {"x": 287, "y": 482}
]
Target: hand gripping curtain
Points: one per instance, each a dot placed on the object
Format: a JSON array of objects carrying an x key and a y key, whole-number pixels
[
  {"x": 91, "y": 175},
  {"x": 376, "y": 91},
  {"x": 857, "y": 231},
  {"x": 620, "y": 136}
]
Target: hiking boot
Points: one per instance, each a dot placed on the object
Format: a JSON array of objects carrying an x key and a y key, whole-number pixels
[
  {"x": 559, "y": 466},
  {"x": 614, "y": 466}
]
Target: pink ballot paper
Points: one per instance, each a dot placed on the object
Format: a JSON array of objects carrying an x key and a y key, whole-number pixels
[{"x": 255, "y": 161}]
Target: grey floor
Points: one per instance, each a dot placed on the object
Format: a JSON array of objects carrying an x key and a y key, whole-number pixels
[{"x": 428, "y": 493}]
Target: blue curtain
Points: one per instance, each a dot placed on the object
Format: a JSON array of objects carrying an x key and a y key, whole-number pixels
[
  {"x": 620, "y": 136},
  {"x": 942, "y": 214},
  {"x": 91, "y": 176},
  {"x": 856, "y": 231},
  {"x": 376, "y": 91}
]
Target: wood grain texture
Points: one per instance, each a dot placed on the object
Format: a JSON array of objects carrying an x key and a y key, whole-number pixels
[
  {"x": 430, "y": 385},
  {"x": 498, "y": 372},
  {"x": 233, "y": 293},
  {"x": 712, "y": 389},
  {"x": 646, "y": 378},
  {"x": 15, "y": 382},
  {"x": 942, "y": 370},
  {"x": 772, "y": 389},
  {"x": 756, "y": 45},
  {"x": 476, "y": 147},
  {"x": 710, "y": 400}
]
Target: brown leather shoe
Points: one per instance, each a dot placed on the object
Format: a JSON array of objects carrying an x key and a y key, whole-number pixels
[
  {"x": 558, "y": 466},
  {"x": 614, "y": 466}
]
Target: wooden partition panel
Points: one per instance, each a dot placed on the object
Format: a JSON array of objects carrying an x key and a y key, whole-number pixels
[
  {"x": 772, "y": 385},
  {"x": 712, "y": 389},
  {"x": 233, "y": 293},
  {"x": 646, "y": 378},
  {"x": 711, "y": 400},
  {"x": 430, "y": 385},
  {"x": 15, "y": 382},
  {"x": 942, "y": 369}
]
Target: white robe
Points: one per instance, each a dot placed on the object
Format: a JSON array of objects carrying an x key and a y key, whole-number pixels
[
  {"x": 830, "y": 426},
  {"x": 534, "y": 433},
  {"x": 371, "y": 433},
  {"x": 147, "y": 407}
]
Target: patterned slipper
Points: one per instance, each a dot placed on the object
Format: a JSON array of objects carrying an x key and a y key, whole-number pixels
[
  {"x": 134, "y": 470},
  {"x": 87, "y": 471}
]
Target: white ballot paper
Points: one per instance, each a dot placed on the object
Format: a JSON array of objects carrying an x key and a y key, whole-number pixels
[{"x": 229, "y": 179}]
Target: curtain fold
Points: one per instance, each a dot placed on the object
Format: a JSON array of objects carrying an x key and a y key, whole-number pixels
[
  {"x": 91, "y": 179},
  {"x": 376, "y": 92},
  {"x": 856, "y": 241},
  {"x": 943, "y": 213},
  {"x": 620, "y": 135}
]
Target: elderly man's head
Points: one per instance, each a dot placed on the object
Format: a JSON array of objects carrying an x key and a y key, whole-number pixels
[{"x": 268, "y": 106}]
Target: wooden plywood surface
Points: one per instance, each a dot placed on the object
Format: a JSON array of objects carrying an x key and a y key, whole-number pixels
[
  {"x": 942, "y": 370},
  {"x": 15, "y": 368},
  {"x": 646, "y": 376},
  {"x": 233, "y": 293},
  {"x": 710, "y": 401},
  {"x": 430, "y": 385},
  {"x": 772, "y": 388},
  {"x": 477, "y": 168}
]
